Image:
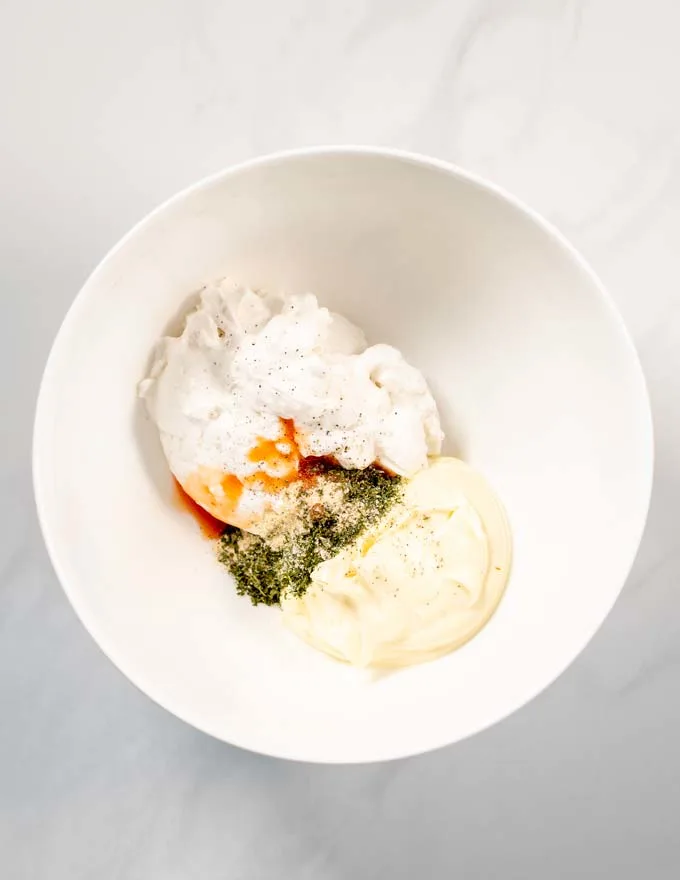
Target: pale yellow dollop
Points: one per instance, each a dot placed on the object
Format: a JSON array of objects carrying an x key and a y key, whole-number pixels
[{"x": 418, "y": 585}]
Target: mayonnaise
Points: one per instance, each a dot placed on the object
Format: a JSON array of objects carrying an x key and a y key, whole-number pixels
[{"x": 420, "y": 583}]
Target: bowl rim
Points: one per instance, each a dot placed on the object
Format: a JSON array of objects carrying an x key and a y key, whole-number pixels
[{"x": 47, "y": 384}]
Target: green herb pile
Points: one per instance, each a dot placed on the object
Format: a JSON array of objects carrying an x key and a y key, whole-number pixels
[{"x": 265, "y": 568}]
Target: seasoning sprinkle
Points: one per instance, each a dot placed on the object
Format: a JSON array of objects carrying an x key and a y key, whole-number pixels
[{"x": 327, "y": 509}]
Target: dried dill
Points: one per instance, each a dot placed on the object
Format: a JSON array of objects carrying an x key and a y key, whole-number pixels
[{"x": 329, "y": 509}]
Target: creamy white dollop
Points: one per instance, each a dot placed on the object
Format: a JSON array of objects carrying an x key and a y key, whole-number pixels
[
  {"x": 420, "y": 583},
  {"x": 251, "y": 366}
]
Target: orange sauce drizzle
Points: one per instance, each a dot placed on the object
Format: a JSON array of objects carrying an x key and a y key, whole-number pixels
[
  {"x": 210, "y": 526},
  {"x": 282, "y": 456}
]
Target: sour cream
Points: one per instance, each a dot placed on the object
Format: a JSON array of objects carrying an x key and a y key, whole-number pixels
[{"x": 257, "y": 381}]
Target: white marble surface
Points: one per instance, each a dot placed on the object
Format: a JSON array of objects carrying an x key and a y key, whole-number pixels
[{"x": 109, "y": 107}]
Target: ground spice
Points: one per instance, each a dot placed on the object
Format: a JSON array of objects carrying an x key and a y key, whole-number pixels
[{"x": 323, "y": 512}]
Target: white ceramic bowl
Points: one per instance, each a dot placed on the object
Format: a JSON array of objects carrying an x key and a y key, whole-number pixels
[{"x": 538, "y": 385}]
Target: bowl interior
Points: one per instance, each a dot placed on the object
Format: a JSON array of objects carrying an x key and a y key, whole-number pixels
[{"x": 537, "y": 383}]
